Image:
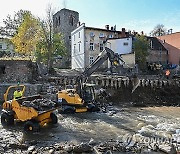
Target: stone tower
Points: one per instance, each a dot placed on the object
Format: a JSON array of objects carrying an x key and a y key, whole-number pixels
[{"x": 65, "y": 21}]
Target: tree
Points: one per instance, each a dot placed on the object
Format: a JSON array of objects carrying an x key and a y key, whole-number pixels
[
  {"x": 51, "y": 44},
  {"x": 141, "y": 50},
  {"x": 158, "y": 30},
  {"x": 12, "y": 23},
  {"x": 28, "y": 35}
]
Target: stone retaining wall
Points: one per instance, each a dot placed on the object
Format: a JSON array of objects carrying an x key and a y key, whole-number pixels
[
  {"x": 23, "y": 71},
  {"x": 115, "y": 81}
]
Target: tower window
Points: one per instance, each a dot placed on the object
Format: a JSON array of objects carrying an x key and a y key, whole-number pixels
[
  {"x": 59, "y": 20},
  {"x": 71, "y": 20},
  {"x": 70, "y": 38}
]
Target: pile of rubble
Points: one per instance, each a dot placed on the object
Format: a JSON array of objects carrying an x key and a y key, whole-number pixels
[
  {"x": 40, "y": 104},
  {"x": 109, "y": 147}
]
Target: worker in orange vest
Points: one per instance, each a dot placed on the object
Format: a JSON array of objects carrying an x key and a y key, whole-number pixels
[{"x": 167, "y": 74}]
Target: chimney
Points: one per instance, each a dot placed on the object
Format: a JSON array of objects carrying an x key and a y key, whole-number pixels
[
  {"x": 107, "y": 27},
  {"x": 112, "y": 28},
  {"x": 170, "y": 31},
  {"x": 115, "y": 28},
  {"x": 123, "y": 32}
]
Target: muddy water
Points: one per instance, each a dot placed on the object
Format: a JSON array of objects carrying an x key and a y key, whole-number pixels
[{"x": 152, "y": 121}]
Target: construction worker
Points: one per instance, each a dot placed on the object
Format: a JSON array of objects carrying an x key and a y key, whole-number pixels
[
  {"x": 18, "y": 93},
  {"x": 167, "y": 73}
]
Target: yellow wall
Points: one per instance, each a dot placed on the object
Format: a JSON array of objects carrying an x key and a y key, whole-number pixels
[{"x": 129, "y": 59}]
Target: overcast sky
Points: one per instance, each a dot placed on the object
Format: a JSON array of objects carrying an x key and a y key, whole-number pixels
[{"x": 138, "y": 15}]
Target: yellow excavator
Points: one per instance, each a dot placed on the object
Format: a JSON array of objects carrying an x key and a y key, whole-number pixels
[
  {"x": 82, "y": 97},
  {"x": 15, "y": 110}
]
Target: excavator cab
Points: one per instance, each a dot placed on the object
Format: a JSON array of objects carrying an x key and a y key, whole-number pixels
[{"x": 88, "y": 93}]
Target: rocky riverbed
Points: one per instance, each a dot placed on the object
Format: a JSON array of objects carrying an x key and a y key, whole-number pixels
[{"x": 114, "y": 130}]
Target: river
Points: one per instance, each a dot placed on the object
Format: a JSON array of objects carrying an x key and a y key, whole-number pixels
[{"x": 114, "y": 124}]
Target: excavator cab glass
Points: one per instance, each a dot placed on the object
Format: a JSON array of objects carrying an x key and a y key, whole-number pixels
[{"x": 88, "y": 93}]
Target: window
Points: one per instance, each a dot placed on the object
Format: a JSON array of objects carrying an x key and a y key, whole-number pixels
[
  {"x": 101, "y": 47},
  {"x": 71, "y": 20},
  {"x": 74, "y": 48},
  {"x": 91, "y": 46},
  {"x": 79, "y": 34},
  {"x": 91, "y": 34},
  {"x": 56, "y": 22},
  {"x": 110, "y": 36},
  {"x": 151, "y": 44},
  {"x": 125, "y": 43},
  {"x": 101, "y": 35},
  {"x": 74, "y": 37},
  {"x": 0, "y": 46},
  {"x": 70, "y": 38},
  {"x": 91, "y": 59},
  {"x": 59, "y": 20},
  {"x": 79, "y": 47}
]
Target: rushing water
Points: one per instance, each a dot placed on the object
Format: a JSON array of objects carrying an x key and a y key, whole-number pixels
[{"x": 117, "y": 122}]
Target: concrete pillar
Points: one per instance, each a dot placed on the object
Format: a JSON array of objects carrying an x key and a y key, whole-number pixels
[
  {"x": 143, "y": 82},
  {"x": 103, "y": 82},
  {"x": 160, "y": 83},
  {"x": 151, "y": 83},
  {"x": 119, "y": 82},
  {"x": 111, "y": 83},
  {"x": 155, "y": 83},
  {"x": 115, "y": 84},
  {"x": 107, "y": 82},
  {"x": 147, "y": 83}
]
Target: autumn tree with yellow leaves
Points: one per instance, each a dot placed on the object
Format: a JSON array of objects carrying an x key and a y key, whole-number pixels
[{"x": 28, "y": 35}]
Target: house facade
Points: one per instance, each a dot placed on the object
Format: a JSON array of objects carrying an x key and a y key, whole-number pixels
[
  {"x": 172, "y": 43},
  {"x": 157, "y": 52},
  {"x": 88, "y": 42}
]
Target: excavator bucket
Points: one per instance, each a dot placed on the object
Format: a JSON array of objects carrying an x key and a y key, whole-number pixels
[{"x": 135, "y": 83}]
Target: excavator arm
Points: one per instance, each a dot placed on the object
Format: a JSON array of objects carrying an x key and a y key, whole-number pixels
[
  {"x": 114, "y": 59},
  {"x": 106, "y": 54}
]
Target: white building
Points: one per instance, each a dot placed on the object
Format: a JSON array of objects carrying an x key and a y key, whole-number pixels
[
  {"x": 6, "y": 47},
  {"x": 88, "y": 42},
  {"x": 123, "y": 46}
]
